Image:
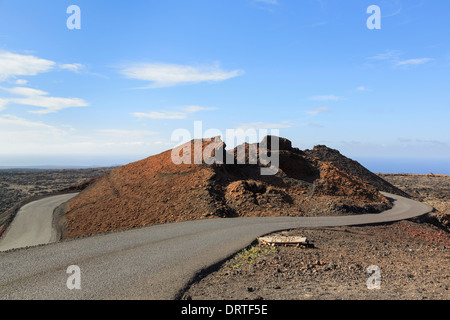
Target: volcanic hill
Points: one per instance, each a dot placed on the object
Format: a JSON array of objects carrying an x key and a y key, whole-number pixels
[
  {"x": 353, "y": 168},
  {"x": 156, "y": 190}
]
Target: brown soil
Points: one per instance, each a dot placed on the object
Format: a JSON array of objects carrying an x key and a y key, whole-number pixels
[
  {"x": 155, "y": 190},
  {"x": 413, "y": 259}
]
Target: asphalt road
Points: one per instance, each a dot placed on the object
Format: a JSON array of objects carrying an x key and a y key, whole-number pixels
[
  {"x": 155, "y": 262},
  {"x": 33, "y": 224}
]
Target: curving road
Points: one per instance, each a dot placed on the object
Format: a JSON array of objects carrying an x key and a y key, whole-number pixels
[
  {"x": 155, "y": 262},
  {"x": 33, "y": 224}
]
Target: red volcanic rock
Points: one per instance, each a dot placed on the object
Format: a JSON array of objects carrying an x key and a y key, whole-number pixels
[{"x": 157, "y": 190}]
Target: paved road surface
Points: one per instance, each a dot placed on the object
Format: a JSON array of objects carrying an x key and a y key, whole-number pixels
[
  {"x": 155, "y": 262},
  {"x": 33, "y": 224}
]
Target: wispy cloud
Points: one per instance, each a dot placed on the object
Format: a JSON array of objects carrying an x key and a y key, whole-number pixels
[
  {"x": 168, "y": 75},
  {"x": 329, "y": 97},
  {"x": 394, "y": 8},
  {"x": 21, "y": 82},
  {"x": 15, "y": 65},
  {"x": 266, "y": 5},
  {"x": 74, "y": 67},
  {"x": 389, "y": 55},
  {"x": 317, "y": 110},
  {"x": 25, "y": 91},
  {"x": 317, "y": 24},
  {"x": 19, "y": 133},
  {"x": 12, "y": 121},
  {"x": 272, "y": 2},
  {"x": 3, "y": 103},
  {"x": 424, "y": 143},
  {"x": 181, "y": 113},
  {"x": 39, "y": 98},
  {"x": 314, "y": 125},
  {"x": 193, "y": 109},
  {"x": 34, "y": 137},
  {"x": 393, "y": 57},
  {"x": 127, "y": 134},
  {"x": 264, "y": 125},
  {"x": 413, "y": 61},
  {"x": 169, "y": 115}
]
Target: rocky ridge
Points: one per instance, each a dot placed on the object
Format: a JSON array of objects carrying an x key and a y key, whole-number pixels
[{"x": 160, "y": 190}]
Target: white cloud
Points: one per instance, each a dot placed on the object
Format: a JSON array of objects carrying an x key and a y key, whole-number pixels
[
  {"x": 273, "y": 2},
  {"x": 74, "y": 67},
  {"x": 314, "y": 125},
  {"x": 317, "y": 110},
  {"x": 414, "y": 61},
  {"x": 193, "y": 109},
  {"x": 21, "y": 82},
  {"x": 326, "y": 98},
  {"x": 124, "y": 137},
  {"x": 160, "y": 115},
  {"x": 13, "y": 65},
  {"x": 10, "y": 121},
  {"x": 167, "y": 75},
  {"x": 364, "y": 89},
  {"x": 266, "y": 5},
  {"x": 21, "y": 135},
  {"x": 393, "y": 7},
  {"x": 388, "y": 55},
  {"x": 264, "y": 125},
  {"x": 393, "y": 57},
  {"x": 25, "y": 91},
  {"x": 3, "y": 103},
  {"x": 171, "y": 115},
  {"x": 126, "y": 134},
  {"x": 39, "y": 98},
  {"x": 51, "y": 104}
]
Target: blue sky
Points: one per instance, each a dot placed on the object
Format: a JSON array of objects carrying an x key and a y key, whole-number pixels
[{"x": 115, "y": 90}]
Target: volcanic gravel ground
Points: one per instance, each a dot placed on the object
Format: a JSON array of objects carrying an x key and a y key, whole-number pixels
[{"x": 413, "y": 259}]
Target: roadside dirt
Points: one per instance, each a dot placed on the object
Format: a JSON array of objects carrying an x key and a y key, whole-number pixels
[{"x": 413, "y": 259}]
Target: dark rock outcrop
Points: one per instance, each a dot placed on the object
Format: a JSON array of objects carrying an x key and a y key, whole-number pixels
[{"x": 353, "y": 168}]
